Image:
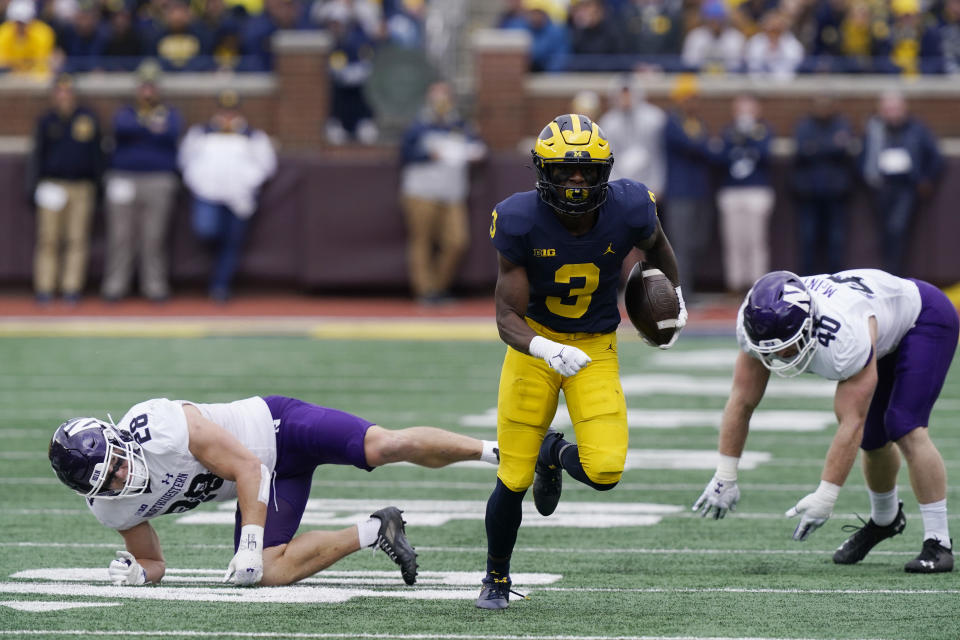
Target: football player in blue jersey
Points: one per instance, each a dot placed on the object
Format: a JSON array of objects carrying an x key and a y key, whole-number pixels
[{"x": 561, "y": 251}]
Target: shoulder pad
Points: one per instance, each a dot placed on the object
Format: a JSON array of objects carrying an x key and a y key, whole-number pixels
[
  {"x": 515, "y": 215},
  {"x": 637, "y": 203}
]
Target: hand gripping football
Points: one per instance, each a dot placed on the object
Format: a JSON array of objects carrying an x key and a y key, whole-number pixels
[{"x": 652, "y": 304}]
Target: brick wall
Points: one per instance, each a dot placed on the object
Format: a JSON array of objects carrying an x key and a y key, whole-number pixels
[
  {"x": 513, "y": 104},
  {"x": 290, "y": 104}
]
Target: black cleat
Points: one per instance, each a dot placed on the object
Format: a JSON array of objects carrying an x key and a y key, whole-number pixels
[
  {"x": 548, "y": 479},
  {"x": 933, "y": 558},
  {"x": 856, "y": 547},
  {"x": 392, "y": 539},
  {"x": 495, "y": 593}
]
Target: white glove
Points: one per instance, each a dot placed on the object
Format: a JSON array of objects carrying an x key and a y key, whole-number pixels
[
  {"x": 681, "y": 321},
  {"x": 719, "y": 496},
  {"x": 246, "y": 568},
  {"x": 562, "y": 358},
  {"x": 814, "y": 509},
  {"x": 125, "y": 569}
]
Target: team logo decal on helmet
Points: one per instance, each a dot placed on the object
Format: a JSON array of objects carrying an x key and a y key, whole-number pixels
[
  {"x": 87, "y": 454},
  {"x": 779, "y": 322},
  {"x": 568, "y": 144}
]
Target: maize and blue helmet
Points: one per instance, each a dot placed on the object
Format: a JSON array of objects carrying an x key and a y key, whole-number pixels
[{"x": 569, "y": 143}]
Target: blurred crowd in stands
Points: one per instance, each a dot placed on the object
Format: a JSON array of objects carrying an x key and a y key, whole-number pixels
[
  {"x": 777, "y": 38},
  {"x": 710, "y": 185},
  {"x": 40, "y": 36},
  {"x": 695, "y": 172}
]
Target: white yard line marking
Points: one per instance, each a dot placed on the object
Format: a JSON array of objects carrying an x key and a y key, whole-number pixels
[
  {"x": 802, "y": 592},
  {"x": 639, "y": 418},
  {"x": 685, "y": 385},
  {"x": 705, "y": 459},
  {"x": 435, "y": 513},
  {"x": 43, "y": 606},
  {"x": 378, "y": 578},
  {"x": 807, "y": 551}
]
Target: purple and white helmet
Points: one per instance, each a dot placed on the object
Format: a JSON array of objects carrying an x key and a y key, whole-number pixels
[
  {"x": 779, "y": 314},
  {"x": 86, "y": 454}
]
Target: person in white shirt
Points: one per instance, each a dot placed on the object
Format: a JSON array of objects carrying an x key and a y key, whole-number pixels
[
  {"x": 889, "y": 343},
  {"x": 169, "y": 456},
  {"x": 774, "y": 53},
  {"x": 714, "y": 46},
  {"x": 225, "y": 163},
  {"x": 634, "y": 128}
]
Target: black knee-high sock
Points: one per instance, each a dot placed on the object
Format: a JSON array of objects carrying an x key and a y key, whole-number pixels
[
  {"x": 567, "y": 455},
  {"x": 504, "y": 513}
]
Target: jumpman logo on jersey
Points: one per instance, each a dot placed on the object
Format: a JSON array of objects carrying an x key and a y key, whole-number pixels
[{"x": 610, "y": 250}]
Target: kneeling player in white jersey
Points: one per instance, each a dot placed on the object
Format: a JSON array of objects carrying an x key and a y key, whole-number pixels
[
  {"x": 168, "y": 456},
  {"x": 888, "y": 342}
]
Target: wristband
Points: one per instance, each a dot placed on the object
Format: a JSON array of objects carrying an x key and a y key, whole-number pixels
[
  {"x": 829, "y": 490},
  {"x": 540, "y": 346},
  {"x": 251, "y": 536},
  {"x": 727, "y": 468}
]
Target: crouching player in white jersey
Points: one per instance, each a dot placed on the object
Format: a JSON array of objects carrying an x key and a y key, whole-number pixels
[
  {"x": 168, "y": 456},
  {"x": 888, "y": 342}
]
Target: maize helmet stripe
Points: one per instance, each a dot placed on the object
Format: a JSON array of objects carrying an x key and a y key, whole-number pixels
[{"x": 572, "y": 136}]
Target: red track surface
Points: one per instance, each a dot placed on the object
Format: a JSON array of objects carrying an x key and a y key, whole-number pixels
[{"x": 711, "y": 317}]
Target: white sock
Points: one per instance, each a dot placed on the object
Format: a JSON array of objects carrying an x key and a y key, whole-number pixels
[
  {"x": 935, "y": 525},
  {"x": 491, "y": 452},
  {"x": 367, "y": 531},
  {"x": 883, "y": 506}
]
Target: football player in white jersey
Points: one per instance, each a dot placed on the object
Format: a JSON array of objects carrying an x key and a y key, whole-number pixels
[
  {"x": 888, "y": 342},
  {"x": 168, "y": 456}
]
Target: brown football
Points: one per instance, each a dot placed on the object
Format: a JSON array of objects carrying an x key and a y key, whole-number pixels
[{"x": 651, "y": 302}]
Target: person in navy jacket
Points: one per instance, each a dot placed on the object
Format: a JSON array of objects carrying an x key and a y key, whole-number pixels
[
  {"x": 141, "y": 187},
  {"x": 901, "y": 164},
  {"x": 436, "y": 153},
  {"x": 691, "y": 156},
  {"x": 63, "y": 175},
  {"x": 745, "y": 198},
  {"x": 822, "y": 182}
]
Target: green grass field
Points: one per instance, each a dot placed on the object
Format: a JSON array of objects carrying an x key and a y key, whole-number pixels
[{"x": 633, "y": 562}]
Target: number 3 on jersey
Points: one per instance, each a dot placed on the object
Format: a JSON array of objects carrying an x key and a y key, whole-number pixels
[{"x": 582, "y": 296}]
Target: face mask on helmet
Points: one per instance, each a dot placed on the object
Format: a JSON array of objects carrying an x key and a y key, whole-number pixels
[
  {"x": 778, "y": 320},
  {"x": 569, "y": 145},
  {"x": 87, "y": 455}
]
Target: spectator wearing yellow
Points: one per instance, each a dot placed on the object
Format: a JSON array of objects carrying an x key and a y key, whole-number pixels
[{"x": 26, "y": 44}]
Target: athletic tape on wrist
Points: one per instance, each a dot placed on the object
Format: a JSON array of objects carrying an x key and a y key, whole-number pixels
[
  {"x": 264, "y": 494},
  {"x": 251, "y": 536},
  {"x": 727, "y": 468},
  {"x": 828, "y": 489}
]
